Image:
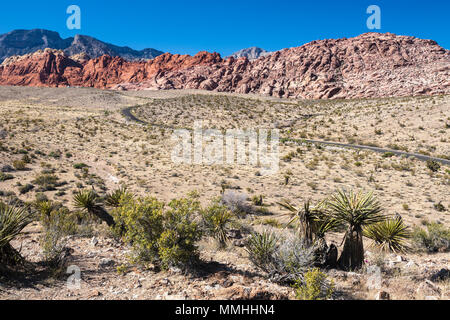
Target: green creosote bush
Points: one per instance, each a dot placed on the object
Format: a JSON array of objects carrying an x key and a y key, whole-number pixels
[
  {"x": 435, "y": 238},
  {"x": 433, "y": 165},
  {"x": 163, "y": 235},
  {"x": 19, "y": 165},
  {"x": 315, "y": 286},
  {"x": 5, "y": 176}
]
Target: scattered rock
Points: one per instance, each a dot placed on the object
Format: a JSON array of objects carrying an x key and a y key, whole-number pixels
[
  {"x": 410, "y": 264},
  {"x": 95, "y": 293},
  {"x": 106, "y": 262},
  {"x": 7, "y": 168},
  {"x": 234, "y": 234},
  {"x": 94, "y": 241},
  {"x": 239, "y": 243},
  {"x": 441, "y": 275},
  {"x": 428, "y": 288},
  {"x": 382, "y": 295},
  {"x": 237, "y": 292}
]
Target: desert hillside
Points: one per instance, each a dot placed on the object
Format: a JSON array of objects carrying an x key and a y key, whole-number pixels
[{"x": 61, "y": 145}]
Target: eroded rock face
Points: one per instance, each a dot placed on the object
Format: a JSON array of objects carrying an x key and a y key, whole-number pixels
[{"x": 370, "y": 65}]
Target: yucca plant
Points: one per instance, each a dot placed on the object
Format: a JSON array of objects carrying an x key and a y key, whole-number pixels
[
  {"x": 217, "y": 219},
  {"x": 313, "y": 221},
  {"x": 113, "y": 199},
  {"x": 261, "y": 248},
  {"x": 389, "y": 235},
  {"x": 12, "y": 221},
  {"x": 88, "y": 200},
  {"x": 355, "y": 210}
]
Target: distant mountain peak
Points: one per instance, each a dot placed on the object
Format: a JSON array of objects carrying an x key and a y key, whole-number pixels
[
  {"x": 21, "y": 42},
  {"x": 251, "y": 53}
]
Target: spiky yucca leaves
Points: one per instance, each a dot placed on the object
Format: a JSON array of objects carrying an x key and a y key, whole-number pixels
[
  {"x": 313, "y": 221},
  {"x": 12, "y": 222},
  {"x": 389, "y": 235},
  {"x": 217, "y": 219},
  {"x": 113, "y": 199},
  {"x": 261, "y": 248},
  {"x": 355, "y": 210},
  {"x": 88, "y": 200}
]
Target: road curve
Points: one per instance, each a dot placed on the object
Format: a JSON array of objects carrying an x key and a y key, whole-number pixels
[
  {"x": 127, "y": 113},
  {"x": 419, "y": 156}
]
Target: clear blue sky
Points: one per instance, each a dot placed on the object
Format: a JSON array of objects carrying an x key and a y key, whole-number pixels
[{"x": 182, "y": 26}]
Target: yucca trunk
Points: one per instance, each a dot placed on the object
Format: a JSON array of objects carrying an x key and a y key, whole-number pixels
[
  {"x": 352, "y": 256},
  {"x": 103, "y": 215},
  {"x": 9, "y": 257},
  {"x": 306, "y": 231}
]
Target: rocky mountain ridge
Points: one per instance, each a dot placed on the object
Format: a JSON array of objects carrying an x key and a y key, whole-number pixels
[
  {"x": 251, "y": 53},
  {"x": 370, "y": 65},
  {"x": 21, "y": 42}
]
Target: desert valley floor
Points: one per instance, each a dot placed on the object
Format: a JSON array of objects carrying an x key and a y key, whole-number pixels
[{"x": 82, "y": 137}]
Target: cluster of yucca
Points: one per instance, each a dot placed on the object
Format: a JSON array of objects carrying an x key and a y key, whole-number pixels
[{"x": 360, "y": 214}]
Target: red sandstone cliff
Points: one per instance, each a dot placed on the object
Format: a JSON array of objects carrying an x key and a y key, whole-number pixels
[{"x": 370, "y": 65}]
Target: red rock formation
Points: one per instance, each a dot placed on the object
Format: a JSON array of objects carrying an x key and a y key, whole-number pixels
[{"x": 370, "y": 65}]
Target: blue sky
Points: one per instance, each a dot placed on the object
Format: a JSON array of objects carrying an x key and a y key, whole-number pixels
[{"x": 187, "y": 27}]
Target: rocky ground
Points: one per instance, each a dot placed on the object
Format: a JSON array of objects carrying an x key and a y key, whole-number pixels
[{"x": 62, "y": 128}]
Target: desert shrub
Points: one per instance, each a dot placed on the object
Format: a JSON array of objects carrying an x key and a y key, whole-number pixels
[
  {"x": 439, "y": 207},
  {"x": 26, "y": 158},
  {"x": 271, "y": 222},
  {"x": 58, "y": 224},
  {"x": 433, "y": 165},
  {"x": 46, "y": 182},
  {"x": 26, "y": 188},
  {"x": 294, "y": 255},
  {"x": 159, "y": 235},
  {"x": 19, "y": 165},
  {"x": 284, "y": 259},
  {"x": 80, "y": 166},
  {"x": 236, "y": 202},
  {"x": 435, "y": 238},
  {"x": 217, "y": 219},
  {"x": 257, "y": 200},
  {"x": 44, "y": 207},
  {"x": 389, "y": 235},
  {"x": 55, "y": 154},
  {"x": 143, "y": 221},
  {"x": 5, "y": 176},
  {"x": 314, "y": 286},
  {"x": 177, "y": 244},
  {"x": 388, "y": 154}
]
